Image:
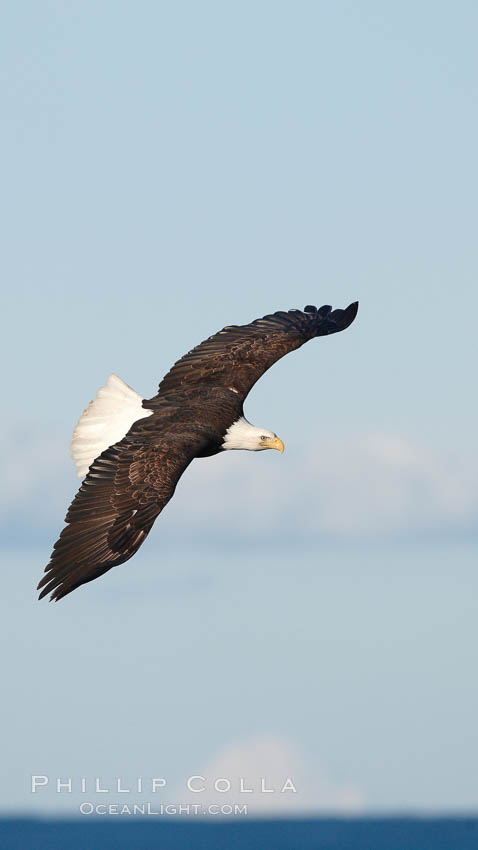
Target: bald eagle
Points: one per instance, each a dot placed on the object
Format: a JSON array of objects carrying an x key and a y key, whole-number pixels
[{"x": 134, "y": 451}]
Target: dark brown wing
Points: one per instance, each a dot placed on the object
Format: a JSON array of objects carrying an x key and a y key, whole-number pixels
[
  {"x": 237, "y": 356},
  {"x": 125, "y": 489}
]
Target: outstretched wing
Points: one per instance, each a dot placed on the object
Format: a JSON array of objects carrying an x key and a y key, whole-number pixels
[
  {"x": 237, "y": 356},
  {"x": 125, "y": 489}
]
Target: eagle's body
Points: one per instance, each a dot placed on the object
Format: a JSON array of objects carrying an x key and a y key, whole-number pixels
[{"x": 134, "y": 451}]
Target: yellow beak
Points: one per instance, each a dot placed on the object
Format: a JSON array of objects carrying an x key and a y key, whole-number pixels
[{"x": 273, "y": 443}]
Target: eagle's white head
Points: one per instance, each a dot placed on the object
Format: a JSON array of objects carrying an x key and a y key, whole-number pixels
[{"x": 243, "y": 435}]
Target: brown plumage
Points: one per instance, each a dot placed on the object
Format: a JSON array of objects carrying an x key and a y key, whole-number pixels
[{"x": 129, "y": 484}]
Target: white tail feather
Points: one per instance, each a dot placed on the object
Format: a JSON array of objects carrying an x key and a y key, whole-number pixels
[{"x": 106, "y": 420}]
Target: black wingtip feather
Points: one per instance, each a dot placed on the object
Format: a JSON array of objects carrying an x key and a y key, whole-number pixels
[
  {"x": 349, "y": 314},
  {"x": 332, "y": 321}
]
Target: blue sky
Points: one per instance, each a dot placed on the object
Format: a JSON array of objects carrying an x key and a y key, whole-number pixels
[{"x": 172, "y": 168}]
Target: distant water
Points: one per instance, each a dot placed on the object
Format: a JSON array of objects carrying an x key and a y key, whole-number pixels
[{"x": 316, "y": 834}]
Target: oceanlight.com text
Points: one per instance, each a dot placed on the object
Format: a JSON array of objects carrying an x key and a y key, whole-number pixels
[{"x": 145, "y": 809}]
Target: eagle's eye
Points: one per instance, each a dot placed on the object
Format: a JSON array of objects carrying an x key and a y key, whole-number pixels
[{"x": 263, "y": 437}]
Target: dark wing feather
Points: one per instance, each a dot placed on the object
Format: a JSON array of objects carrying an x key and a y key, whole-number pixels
[
  {"x": 125, "y": 489},
  {"x": 238, "y": 355}
]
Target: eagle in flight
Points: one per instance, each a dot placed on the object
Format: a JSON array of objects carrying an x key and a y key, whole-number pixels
[{"x": 133, "y": 451}]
